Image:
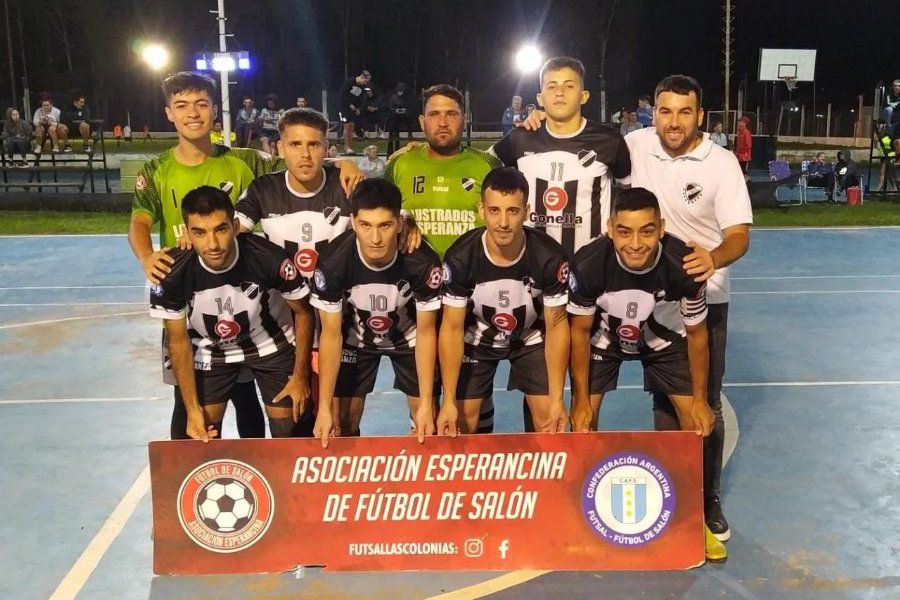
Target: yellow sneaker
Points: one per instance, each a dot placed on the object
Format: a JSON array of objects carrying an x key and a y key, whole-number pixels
[{"x": 715, "y": 550}]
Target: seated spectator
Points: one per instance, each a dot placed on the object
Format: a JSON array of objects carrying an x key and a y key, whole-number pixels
[
  {"x": 618, "y": 117},
  {"x": 268, "y": 135},
  {"x": 372, "y": 164},
  {"x": 333, "y": 151},
  {"x": 401, "y": 113},
  {"x": 247, "y": 123},
  {"x": 16, "y": 137},
  {"x": 645, "y": 111},
  {"x": 218, "y": 137},
  {"x": 891, "y": 102},
  {"x": 513, "y": 115},
  {"x": 77, "y": 118},
  {"x": 888, "y": 170},
  {"x": 529, "y": 109},
  {"x": 718, "y": 136},
  {"x": 46, "y": 124},
  {"x": 630, "y": 124},
  {"x": 846, "y": 171},
  {"x": 820, "y": 174},
  {"x": 371, "y": 116},
  {"x": 302, "y": 102}
]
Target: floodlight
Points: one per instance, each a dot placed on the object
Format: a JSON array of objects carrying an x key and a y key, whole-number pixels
[
  {"x": 202, "y": 64},
  {"x": 223, "y": 62},
  {"x": 528, "y": 59},
  {"x": 156, "y": 56}
]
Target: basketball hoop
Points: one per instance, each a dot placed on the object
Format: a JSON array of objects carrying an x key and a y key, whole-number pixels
[{"x": 789, "y": 81}]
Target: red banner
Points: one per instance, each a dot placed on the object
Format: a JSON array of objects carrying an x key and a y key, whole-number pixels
[{"x": 522, "y": 501}]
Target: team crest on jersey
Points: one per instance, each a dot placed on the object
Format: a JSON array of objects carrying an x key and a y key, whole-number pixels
[
  {"x": 140, "y": 184},
  {"x": 403, "y": 287},
  {"x": 528, "y": 282},
  {"x": 692, "y": 192},
  {"x": 319, "y": 280},
  {"x": 250, "y": 289},
  {"x": 226, "y": 186},
  {"x": 331, "y": 214},
  {"x": 468, "y": 184},
  {"x": 445, "y": 273},
  {"x": 555, "y": 198},
  {"x": 306, "y": 259},
  {"x": 379, "y": 324},
  {"x": 505, "y": 322},
  {"x": 434, "y": 278},
  {"x": 562, "y": 273},
  {"x": 629, "y": 333},
  {"x": 227, "y": 329},
  {"x": 586, "y": 157},
  {"x": 287, "y": 270}
]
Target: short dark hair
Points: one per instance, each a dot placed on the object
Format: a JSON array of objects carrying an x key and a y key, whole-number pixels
[
  {"x": 505, "y": 180},
  {"x": 561, "y": 62},
  {"x": 446, "y": 90},
  {"x": 682, "y": 85},
  {"x": 637, "y": 198},
  {"x": 376, "y": 193},
  {"x": 272, "y": 98},
  {"x": 46, "y": 97},
  {"x": 303, "y": 116},
  {"x": 205, "y": 200},
  {"x": 645, "y": 98},
  {"x": 186, "y": 81},
  {"x": 248, "y": 98},
  {"x": 78, "y": 97}
]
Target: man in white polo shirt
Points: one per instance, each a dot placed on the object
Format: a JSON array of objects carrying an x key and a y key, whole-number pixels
[{"x": 704, "y": 201}]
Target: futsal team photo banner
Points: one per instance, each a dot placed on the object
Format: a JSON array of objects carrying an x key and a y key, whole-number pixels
[{"x": 595, "y": 501}]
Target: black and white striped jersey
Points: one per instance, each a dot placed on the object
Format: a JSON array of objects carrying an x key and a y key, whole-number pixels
[
  {"x": 302, "y": 224},
  {"x": 640, "y": 311},
  {"x": 570, "y": 178},
  {"x": 379, "y": 304},
  {"x": 505, "y": 304},
  {"x": 229, "y": 312}
]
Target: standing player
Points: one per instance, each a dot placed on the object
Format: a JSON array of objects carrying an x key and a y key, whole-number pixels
[
  {"x": 351, "y": 99},
  {"x": 374, "y": 301},
  {"x": 441, "y": 182},
  {"x": 704, "y": 201},
  {"x": 504, "y": 298},
  {"x": 215, "y": 305},
  {"x": 648, "y": 304}
]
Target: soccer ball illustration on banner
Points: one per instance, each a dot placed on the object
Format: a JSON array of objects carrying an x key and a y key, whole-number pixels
[{"x": 225, "y": 505}]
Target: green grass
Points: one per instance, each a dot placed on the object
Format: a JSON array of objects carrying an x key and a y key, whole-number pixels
[{"x": 20, "y": 222}]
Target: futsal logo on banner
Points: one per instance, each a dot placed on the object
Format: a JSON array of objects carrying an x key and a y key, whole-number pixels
[
  {"x": 628, "y": 499},
  {"x": 225, "y": 506}
]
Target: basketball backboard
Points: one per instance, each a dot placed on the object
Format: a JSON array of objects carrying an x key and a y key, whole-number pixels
[{"x": 777, "y": 63}]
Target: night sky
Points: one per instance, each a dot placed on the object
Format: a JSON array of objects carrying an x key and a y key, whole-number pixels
[{"x": 299, "y": 45}]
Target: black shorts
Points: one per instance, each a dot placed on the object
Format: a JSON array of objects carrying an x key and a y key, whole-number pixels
[
  {"x": 270, "y": 372},
  {"x": 272, "y": 135},
  {"x": 359, "y": 369},
  {"x": 527, "y": 372},
  {"x": 667, "y": 371},
  {"x": 348, "y": 115}
]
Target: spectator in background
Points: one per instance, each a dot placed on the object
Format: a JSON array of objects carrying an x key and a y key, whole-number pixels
[
  {"x": 718, "y": 136},
  {"x": 529, "y": 109},
  {"x": 820, "y": 174},
  {"x": 630, "y": 124},
  {"x": 268, "y": 135},
  {"x": 371, "y": 118},
  {"x": 302, "y": 102},
  {"x": 333, "y": 151},
  {"x": 645, "y": 111},
  {"x": 351, "y": 98},
  {"x": 247, "y": 124},
  {"x": 846, "y": 171},
  {"x": 891, "y": 104},
  {"x": 46, "y": 124},
  {"x": 618, "y": 117},
  {"x": 218, "y": 137},
  {"x": 16, "y": 137},
  {"x": 513, "y": 115},
  {"x": 743, "y": 143},
  {"x": 372, "y": 164},
  {"x": 401, "y": 112},
  {"x": 77, "y": 118}
]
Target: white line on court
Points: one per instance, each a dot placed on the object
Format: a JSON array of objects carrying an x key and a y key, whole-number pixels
[
  {"x": 65, "y": 319},
  {"x": 79, "y": 400},
  {"x": 76, "y": 287},
  {"x": 78, "y": 575},
  {"x": 25, "y": 304}
]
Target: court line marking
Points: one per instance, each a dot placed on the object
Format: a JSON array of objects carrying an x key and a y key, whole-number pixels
[
  {"x": 496, "y": 584},
  {"x": 81, "y": 571},
  {"x": 65, "y": 319},
  {"x": 78, "y": 287},
  {"x": 80, "y": 400}
]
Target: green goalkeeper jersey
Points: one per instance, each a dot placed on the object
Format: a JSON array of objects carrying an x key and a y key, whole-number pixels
[
  {"x": 442, "y": 195},
  {"x": 163, "y": 182}
]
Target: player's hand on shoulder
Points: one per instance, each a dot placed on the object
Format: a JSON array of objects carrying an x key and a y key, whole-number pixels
[
  {"x": 403, "y": 150},
  {"x": 158, "y": 265},
  {"x": 184, "y": 242},
  {"x": 424, "y": 420},
  {"x": 699, "y": 262},
  {"x": 351, "y": 175},
  {"x": 447, "y": 420},
  {"x": 410, "y": 235},
  {"x": 533, "y": 121}
]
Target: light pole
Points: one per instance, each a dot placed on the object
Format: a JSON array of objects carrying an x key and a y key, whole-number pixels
[{"x": 223, "y": 75}]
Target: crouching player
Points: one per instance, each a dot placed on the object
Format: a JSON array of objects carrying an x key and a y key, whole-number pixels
[
  {"x": 373, "y": 300},
  {"x": 216, "y": 308},
  {"x": 650, "y": 310},
  {"x": 504, "y": 298}
]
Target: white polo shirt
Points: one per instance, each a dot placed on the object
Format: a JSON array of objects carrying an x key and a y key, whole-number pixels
[{"x": 700, "y": 194}]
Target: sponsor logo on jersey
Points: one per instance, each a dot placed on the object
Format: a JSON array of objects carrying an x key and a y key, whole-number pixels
[
  {"x": 226, "y": 186},
  {"x": 287, "y": 270},
  {"x": 562, "y": 273},
  {"x": 468, "y": 184},
  {"x": 434, "y": 278},
  {"x": 319, "y": 280},
  {"x": 379, "y": 324},
  {"x": 504, "y": 322},
  {"x": 587, "y": 157},
  {"x": 565, "y": 220},
  {"x": 227, "y": 329},
  {"x": 628, "y": 499},
  {"x": 445, "y": 273},
  {"x": 555, "y": 198},
  {"x": 331, "y": 214},
  {"x": 629, "y": 333},
  {"x": 306, "y": 259},
  {"x": 692, "y": 192},
  {"x": 225, "y": 506},
  {"x": 349, "y": 356}
]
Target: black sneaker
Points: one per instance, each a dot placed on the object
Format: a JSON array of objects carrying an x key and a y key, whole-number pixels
[{"x": 715, "y": 519}]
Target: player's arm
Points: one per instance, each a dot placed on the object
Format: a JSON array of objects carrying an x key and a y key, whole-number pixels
[
  {"x": 330, "y": 345},
  {"x": 556, "y": 353},
  {"x": 426, "y": 359},
  {"x": 181, "y": 353},
  {"x": 248, "y": 209},
  {"x": 580, "y": 360},
  {"x": 298, "y": 384},
  {"x": 694, "y": 312},
  {"x": 410, "y": 234},
  {"x": 351, "y": 174},
  {"x": 146, "y": 209},
  {"x": 702, "y": 263},
  {"x": 451, "y": 345}
]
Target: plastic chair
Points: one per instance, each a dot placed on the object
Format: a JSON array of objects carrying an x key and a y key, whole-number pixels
[{"x": 781, "y": 170}]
